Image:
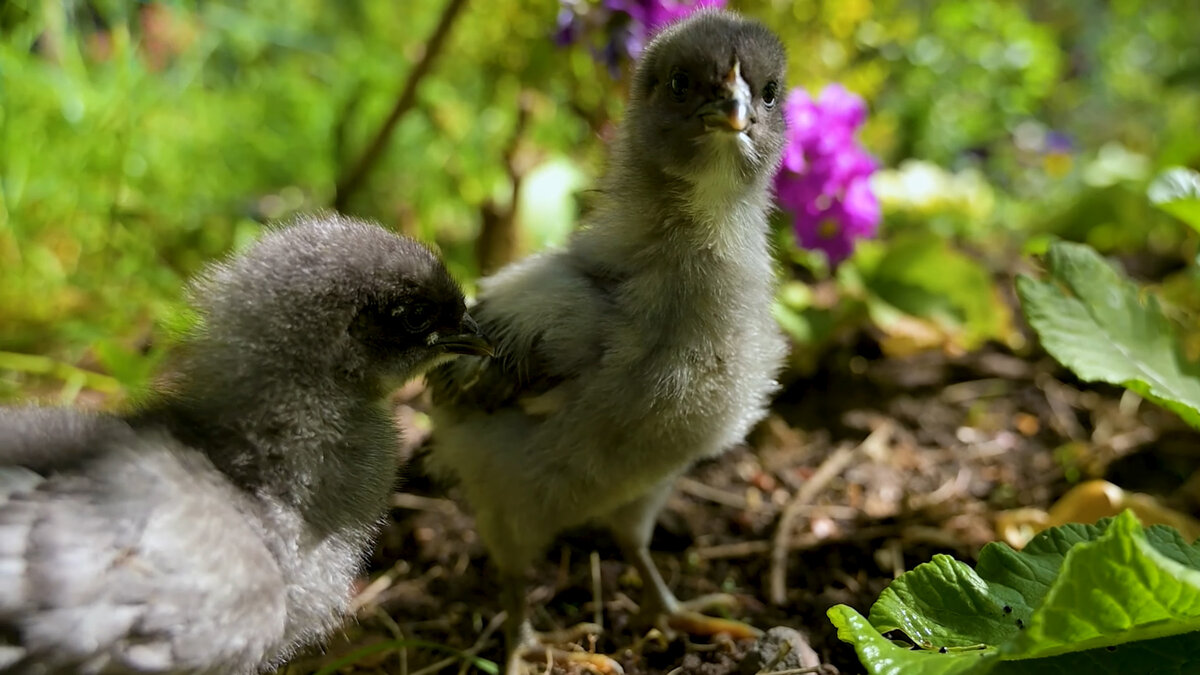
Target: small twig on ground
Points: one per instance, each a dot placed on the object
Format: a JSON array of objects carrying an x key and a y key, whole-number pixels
[
  {"x": 924, "y": 534},
  {"x": 946, "y": 491},
  {"x": 352, "y": 180},
  {"x": 381, "y": 583},
  {"x": 403, "y": 500},
  {"x": 1061, "y": 414},
  {"x": 851, "y": 583},
  {"x": 385, "y": 587},
  {"x": 738, "y": 549},
  {"x": 1122, "y": 443},
  {"x": 829, "y": 469},
  {"x": 1129, "y": 404},
  {"x": 397, "y": 634},
  {"x": 436, "y": 666},
  {"x": 971, "y": 390},
  {"x": 800, "y": 542},
  {"x": 699, "y": 490},
  {"x": 894, "y": 552}
]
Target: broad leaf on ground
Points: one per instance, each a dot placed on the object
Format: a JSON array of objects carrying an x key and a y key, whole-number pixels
[
  {"x": 1104, "y": 329},
  {"x": 1110, "y": 597}
]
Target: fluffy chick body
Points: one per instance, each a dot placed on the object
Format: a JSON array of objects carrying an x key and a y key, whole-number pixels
[
  {"x": 644, "y": 345},
  {"x": 218, "y": 528}
]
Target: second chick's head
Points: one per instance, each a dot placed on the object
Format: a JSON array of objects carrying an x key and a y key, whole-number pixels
[
  {"x": 331, "y": 295},
  {"x": 708, "y": 93}
]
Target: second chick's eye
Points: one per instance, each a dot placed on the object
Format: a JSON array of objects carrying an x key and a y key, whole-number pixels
[
  {"x": 770, "y": 94},
  {"x": 679, "y": 85}
]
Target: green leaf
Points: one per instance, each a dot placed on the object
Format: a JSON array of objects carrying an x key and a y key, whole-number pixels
[
  {"x": 1104, "y": 329},
  {"x": 970, "y": 616},
  {"x": 1168, "y": 541},
  {"x": 881, "y": 656},
  {"x": 1177, "y": 191},
  {"x": 1110, "y": 591},
  {"x": 1110, "y": 597}
]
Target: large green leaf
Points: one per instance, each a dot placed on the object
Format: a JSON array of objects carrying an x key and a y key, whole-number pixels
[
  {"x": 1177, "y": 191},
  {"x": 1109, "y": 597},
  {"x": 1105, "y": 329}
]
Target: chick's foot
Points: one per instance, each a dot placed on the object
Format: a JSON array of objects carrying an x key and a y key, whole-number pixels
[
  {"x": 662, "y": 610},
  {"x": 559, "y": 648},
  {"x": 689, "y": 618}
]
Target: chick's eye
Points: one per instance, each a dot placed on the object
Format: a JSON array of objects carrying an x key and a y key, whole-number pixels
[
  {"x": 416, "y": 318},
  {"x": 770, "y": 94},
  {"x": 679, "y": 85}
]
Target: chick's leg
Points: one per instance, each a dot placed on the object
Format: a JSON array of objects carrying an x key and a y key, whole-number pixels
[
  {"x": 632, "y": 526},
  {"x": 526, "y": 646},
  {"x": 514, "y": 540}
]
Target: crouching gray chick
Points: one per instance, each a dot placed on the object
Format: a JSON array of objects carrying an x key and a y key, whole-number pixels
[{"x": 219, "y": 527}]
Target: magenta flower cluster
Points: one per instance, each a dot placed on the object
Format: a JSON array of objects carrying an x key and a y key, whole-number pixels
[
  {"x": 626, "y": 25},
  {"x": 824, "y": 182}
]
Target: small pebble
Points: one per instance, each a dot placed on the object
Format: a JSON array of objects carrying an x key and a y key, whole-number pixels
[{"x": 765, "y": 654}]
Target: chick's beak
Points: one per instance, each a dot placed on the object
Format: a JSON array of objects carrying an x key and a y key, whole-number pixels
[
  {"x": 468, "y": 339},
  {"x": 732, "y": 110}
]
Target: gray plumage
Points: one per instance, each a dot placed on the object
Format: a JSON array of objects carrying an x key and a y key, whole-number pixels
[
  {"x": 219, "y": 527},
  {"x": 648, "y": 342}
]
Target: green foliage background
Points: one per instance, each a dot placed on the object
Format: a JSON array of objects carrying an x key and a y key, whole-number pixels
[{"x": 138, "y": 140}]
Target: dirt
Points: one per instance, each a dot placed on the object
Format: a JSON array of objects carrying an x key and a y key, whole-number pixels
[{"x": 926, "y": 451}]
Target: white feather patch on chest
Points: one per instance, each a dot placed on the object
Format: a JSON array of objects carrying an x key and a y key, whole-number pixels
[{"x": 727, "y": 211}]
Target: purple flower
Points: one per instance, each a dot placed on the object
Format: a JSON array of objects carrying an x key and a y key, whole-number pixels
[
  {"x": 567, "y": 26},
  {"x": 626, "y": 25},
  {"x": 655, "y": 14},
  {"x": 1059, "y": 143},
  {"x": 824, "y": 182}
]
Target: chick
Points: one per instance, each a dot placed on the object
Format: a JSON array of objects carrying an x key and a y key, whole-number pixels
[
  {"x": 219, "y": 527},
  {"x": 644, "y": 345}
]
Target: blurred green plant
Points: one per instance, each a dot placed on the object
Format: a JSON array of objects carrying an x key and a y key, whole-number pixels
[
  {"x": 138, "y": 141},
  {"x": 917, "y": 290}
]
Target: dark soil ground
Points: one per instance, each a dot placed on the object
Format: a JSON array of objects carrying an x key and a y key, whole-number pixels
[{"x": 877, "y": 462}]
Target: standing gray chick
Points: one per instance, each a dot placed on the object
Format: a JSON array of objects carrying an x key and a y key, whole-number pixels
[
  {"x": 646, "y": 344},
  {"x": 219, "y": 528}
]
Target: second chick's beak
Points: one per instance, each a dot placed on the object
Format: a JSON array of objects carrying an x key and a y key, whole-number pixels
[
  {"x": 468, "y": 340},
  {"x": 732, "y": 111}
]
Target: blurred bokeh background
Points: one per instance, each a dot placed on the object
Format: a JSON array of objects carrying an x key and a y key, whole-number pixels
[{"x": 140, "y": 139}]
